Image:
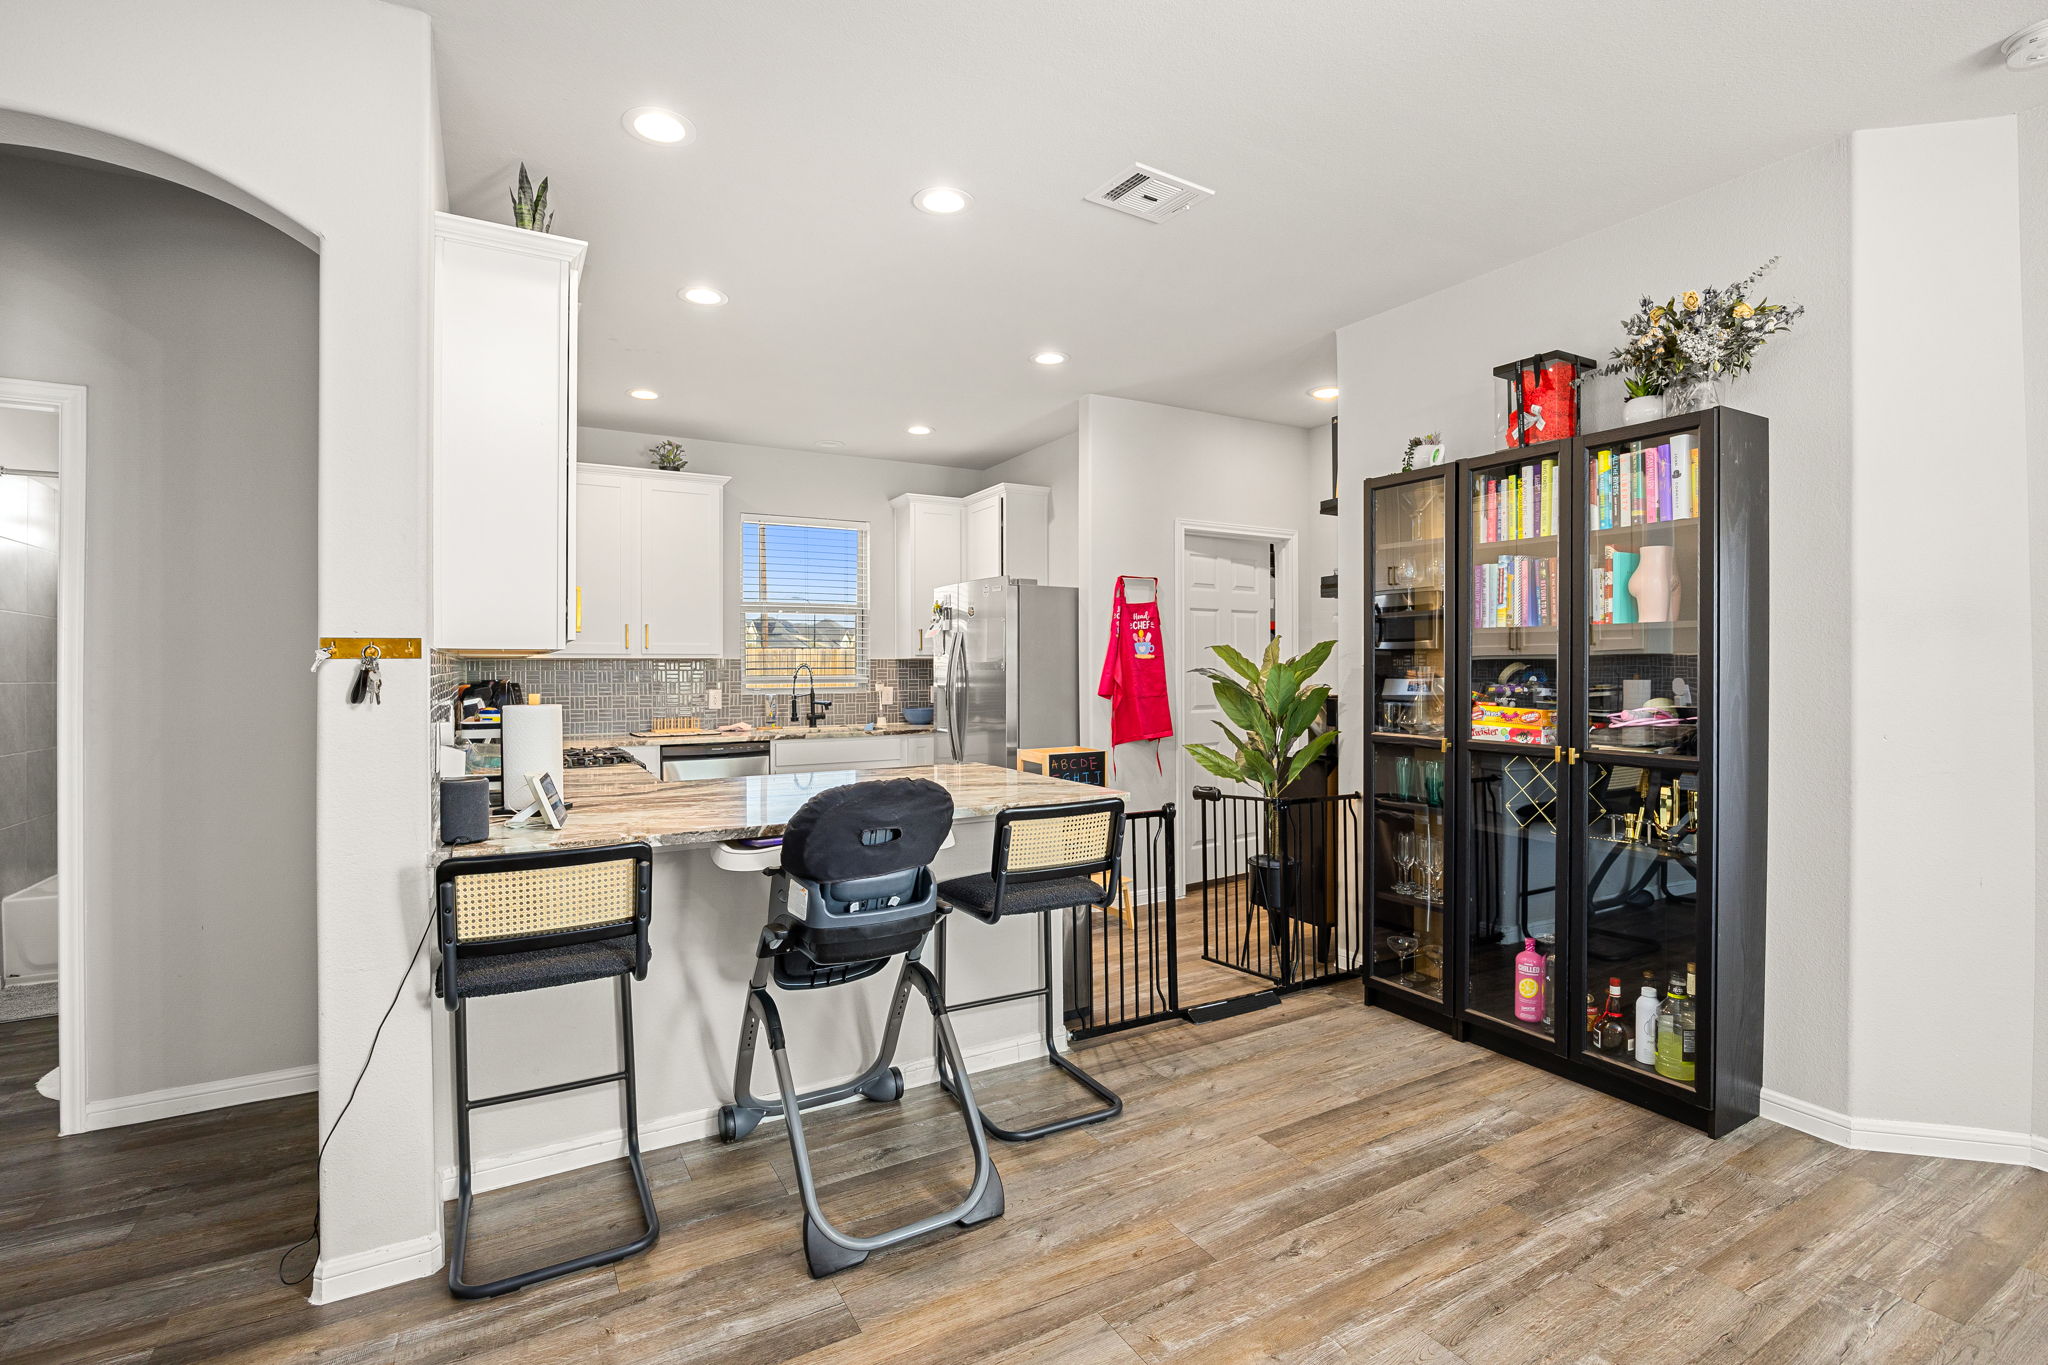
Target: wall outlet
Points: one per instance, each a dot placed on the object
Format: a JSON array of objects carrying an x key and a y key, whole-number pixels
[
  {"x": 885, "y": 694},
  {"x": 713, "y": 700}
]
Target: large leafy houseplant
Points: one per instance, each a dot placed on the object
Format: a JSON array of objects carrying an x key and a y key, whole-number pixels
[{"x": 1273, "y": 709}]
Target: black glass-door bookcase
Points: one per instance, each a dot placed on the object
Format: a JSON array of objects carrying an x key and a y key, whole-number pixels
[{"x": 1602, "y": 643}]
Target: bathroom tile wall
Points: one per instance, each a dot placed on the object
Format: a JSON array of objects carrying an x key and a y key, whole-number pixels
[
  {"x": 618, "y": 696},
  {"x": 28, "y": 682}
]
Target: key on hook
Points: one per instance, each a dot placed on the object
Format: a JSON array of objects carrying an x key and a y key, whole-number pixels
[
  {"x": 321, "y": 656},
  {"x": 369, "y": 683}
]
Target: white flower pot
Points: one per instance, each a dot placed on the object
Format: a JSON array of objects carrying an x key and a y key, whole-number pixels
[{"x": 1646, "y": 409}]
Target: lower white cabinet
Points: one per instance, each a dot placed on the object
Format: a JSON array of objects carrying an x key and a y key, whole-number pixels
[
  {"x": 650, "y": 564},
  {"x": 850, "y": 751}
]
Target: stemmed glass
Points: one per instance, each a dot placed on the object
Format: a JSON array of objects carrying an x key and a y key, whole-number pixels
[
  {"x": 1404, "y": 946},
  {"x": 1404, "y": 860}
]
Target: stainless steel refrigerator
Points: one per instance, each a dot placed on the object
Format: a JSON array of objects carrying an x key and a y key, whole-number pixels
[{"x": 1006, "y": 673}]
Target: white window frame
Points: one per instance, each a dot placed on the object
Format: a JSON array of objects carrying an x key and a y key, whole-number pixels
[{"x": 861, "y": 610}]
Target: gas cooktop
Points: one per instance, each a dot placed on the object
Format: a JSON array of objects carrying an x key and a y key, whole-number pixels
[{"x": 594, "y": 758}]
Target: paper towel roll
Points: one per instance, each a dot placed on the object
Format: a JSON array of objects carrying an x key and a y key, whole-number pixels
[{"x": 532, "y": 737}]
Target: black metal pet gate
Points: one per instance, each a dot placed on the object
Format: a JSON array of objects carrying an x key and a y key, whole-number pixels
[{"x": 1293, "y": 917}]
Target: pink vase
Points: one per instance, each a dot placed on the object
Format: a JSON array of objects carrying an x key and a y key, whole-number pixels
[{"x": 1654, "y": 585}]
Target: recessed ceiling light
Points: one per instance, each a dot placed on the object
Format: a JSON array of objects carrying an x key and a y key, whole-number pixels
[
  {"x": 830, "y": 445},
  {"x": 1050, "y": 358},
  {"x": 920, "y": 431},
  {"x": 704, "y": 294},
  {"x": 645, "y": 395},
  {"x": 1326, "y": 393},
  {"x": 664, "y": 126},
  {"x": 942, "y": 199}
]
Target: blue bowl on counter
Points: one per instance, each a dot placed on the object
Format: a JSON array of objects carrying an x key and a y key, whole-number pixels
[{"x": 917, "y": 715}]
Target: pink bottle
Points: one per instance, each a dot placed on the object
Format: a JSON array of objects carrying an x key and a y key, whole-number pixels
[{"x": 1529, "y": 983}]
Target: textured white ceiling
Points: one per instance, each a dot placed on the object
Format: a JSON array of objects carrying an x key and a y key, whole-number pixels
[{"x": 1362, "y": 153}]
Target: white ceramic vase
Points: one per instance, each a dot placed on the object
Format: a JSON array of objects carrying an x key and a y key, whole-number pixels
[
  {"x": 1645, "y": 409},
  {"x": 1654, "y": 585}
]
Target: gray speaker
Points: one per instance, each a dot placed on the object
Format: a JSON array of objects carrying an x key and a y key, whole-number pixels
[{"x": 465, "y": 810}]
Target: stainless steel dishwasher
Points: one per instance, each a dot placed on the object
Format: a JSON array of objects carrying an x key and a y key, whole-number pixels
[{"x": 695, "y": 762}]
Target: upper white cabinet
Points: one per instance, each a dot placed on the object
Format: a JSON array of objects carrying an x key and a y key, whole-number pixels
[
  {"x": 1006, "y": 532},
  {"x": 650, "y": 563},
  {"x": 998, "y": 532},
  {"x": 504, "y": 436},
  {"x": 929, "y": 543}
]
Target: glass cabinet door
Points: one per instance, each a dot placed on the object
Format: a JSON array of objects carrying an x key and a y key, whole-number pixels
[
  {"x": 1407, "y": 558},
  {"x": 1643, "y": 598},
  {"x": 1642, "y": 922},
  {"x": 1517, "y": 515},
  {"x": 1517, "y": 891},
  {"x": 1408, "y": 565}
]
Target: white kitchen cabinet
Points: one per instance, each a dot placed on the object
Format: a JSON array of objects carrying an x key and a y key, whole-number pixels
[
  {"x": 1006, "y": 532},
  {"x": 1000, "y": 531},
  {"x": 650, "y": 563},
  {"x": 929, "y": 542},
  {"x": 504, "y": 436},
  {"x": 830, "y": 753}
]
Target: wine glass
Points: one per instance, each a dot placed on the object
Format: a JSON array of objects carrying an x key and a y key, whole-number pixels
[
  {"x": 1404, "y": 860},
  {"x": 1404, "y": 946}
]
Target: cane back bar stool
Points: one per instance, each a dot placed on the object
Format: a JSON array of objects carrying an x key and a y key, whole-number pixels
[
  {"x": 517, "y": 922},
  {"x": 1047, "y": 858}
]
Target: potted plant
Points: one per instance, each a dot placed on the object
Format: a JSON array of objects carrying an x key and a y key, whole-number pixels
[
  {"x": 1273, "y": 708},
  {"x": 667, "y": 454},
  {"x": 1681, "y": 349},
  {"x": 530, "y": 206},
  {"x": 1429, "y": 449}
]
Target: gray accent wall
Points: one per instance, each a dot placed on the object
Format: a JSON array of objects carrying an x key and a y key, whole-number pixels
[{"x": 194, "y": 329}]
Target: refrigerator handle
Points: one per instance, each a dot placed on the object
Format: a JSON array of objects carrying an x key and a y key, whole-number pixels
[{"x": 957, "y": 671}]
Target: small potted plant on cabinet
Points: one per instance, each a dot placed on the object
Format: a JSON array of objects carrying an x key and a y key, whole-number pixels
[{"x": 1274, "y": 709}]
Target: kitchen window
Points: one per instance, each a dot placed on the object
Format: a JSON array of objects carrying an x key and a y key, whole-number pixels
[{"x": 804, "y": 589}]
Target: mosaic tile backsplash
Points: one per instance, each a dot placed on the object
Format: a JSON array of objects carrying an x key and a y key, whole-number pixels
[{"x": 618, "y": 696}]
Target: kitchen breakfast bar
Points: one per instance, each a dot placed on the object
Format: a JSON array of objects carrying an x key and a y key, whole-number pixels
[{"x": 705, "y": 924}]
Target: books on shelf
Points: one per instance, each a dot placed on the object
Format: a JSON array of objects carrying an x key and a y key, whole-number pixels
[
  {"x": 1642, "y": 484},
  {"x": 1517, "y": 504},
  {"x": 1514, "y": 590}
]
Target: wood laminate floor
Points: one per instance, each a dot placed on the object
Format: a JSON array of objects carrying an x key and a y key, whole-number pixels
[{"x": 1315, "y": 1184}]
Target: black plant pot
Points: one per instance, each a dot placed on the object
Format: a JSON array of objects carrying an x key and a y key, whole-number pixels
[{"x": 1269, "y": 879}]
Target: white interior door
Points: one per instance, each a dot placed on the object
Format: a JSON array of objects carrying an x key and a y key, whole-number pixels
[{"x": 1227, "y": 599}]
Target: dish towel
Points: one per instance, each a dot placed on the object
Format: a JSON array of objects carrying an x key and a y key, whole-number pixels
[{"x": 1134, "y": 673}]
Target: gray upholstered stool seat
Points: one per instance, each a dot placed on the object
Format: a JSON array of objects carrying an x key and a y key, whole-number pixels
[
  {"x": 543, "y": 967},
  {"x": 978, "y": 896}
]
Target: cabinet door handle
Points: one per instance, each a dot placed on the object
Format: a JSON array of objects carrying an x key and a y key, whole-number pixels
[
  {"x": 625, "y": 636},
  {"x": 646, "y": 634},
  {"x": 579, "y": 608}
]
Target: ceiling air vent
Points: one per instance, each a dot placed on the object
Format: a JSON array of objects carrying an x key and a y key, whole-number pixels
[{"x": 1152, "y": 195}]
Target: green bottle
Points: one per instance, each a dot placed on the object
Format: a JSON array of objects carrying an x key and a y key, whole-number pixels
[{"x": 1676, "y": 1031}]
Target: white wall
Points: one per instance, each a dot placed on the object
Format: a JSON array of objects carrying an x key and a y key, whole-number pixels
[
  {"x": 1939, "y": 579},
  {"x": 2033, "y": 178},
  {"x": 1427, "y": 366},
  {"x": 193, "y": 326},
  {"x": 1144, "y": 466},
  {"x": 798, "y": 483},
  {"x": 323, "y": 110},
  {"x": 1055, "y": 465}
]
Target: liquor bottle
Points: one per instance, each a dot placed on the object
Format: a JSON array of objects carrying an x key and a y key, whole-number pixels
[
  {"x": 1675, "y": 1034},
  {"x": 1529, "y": 993},
  {"x": 1593, "y": 1012},
  {"x": 1689, "y": 1025},
  {"x": 1613, "y": 1034}
]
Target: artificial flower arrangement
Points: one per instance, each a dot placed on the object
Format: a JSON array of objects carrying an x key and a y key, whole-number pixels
[
  {"x": 667, "y": 455},
  {"x": 1697, "y": 336}
]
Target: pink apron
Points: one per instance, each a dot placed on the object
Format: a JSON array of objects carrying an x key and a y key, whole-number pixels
[{"x": 1134, "y": 673}]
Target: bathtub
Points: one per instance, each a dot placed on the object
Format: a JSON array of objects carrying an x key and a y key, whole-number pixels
[{"x": 28, "y": 935}]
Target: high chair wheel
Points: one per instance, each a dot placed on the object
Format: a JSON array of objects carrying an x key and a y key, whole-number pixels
[
  {"x": 735, "y": 1123},
  {"x": 886, "y": 1088}
]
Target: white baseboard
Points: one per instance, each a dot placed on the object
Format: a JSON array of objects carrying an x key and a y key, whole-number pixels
[
  {"x": 193, "y": 1099},
  {"x": 609, "y": 1144},
  {"x": 344, "y": 1277},
  {"x": 1912, "y": 1139}
]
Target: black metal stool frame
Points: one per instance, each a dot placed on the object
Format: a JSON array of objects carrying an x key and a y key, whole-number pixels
[
  {"x": 1112, "y": 1103},
  {"x": 452, "y": 951}
]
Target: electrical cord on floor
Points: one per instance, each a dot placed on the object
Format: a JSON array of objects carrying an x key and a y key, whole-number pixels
[{"x": 396, "y": 995}]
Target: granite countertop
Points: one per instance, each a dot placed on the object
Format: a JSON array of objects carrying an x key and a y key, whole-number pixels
[
  {"x": 626, "y": 804},
  {"x": 715, "y": 737}
]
